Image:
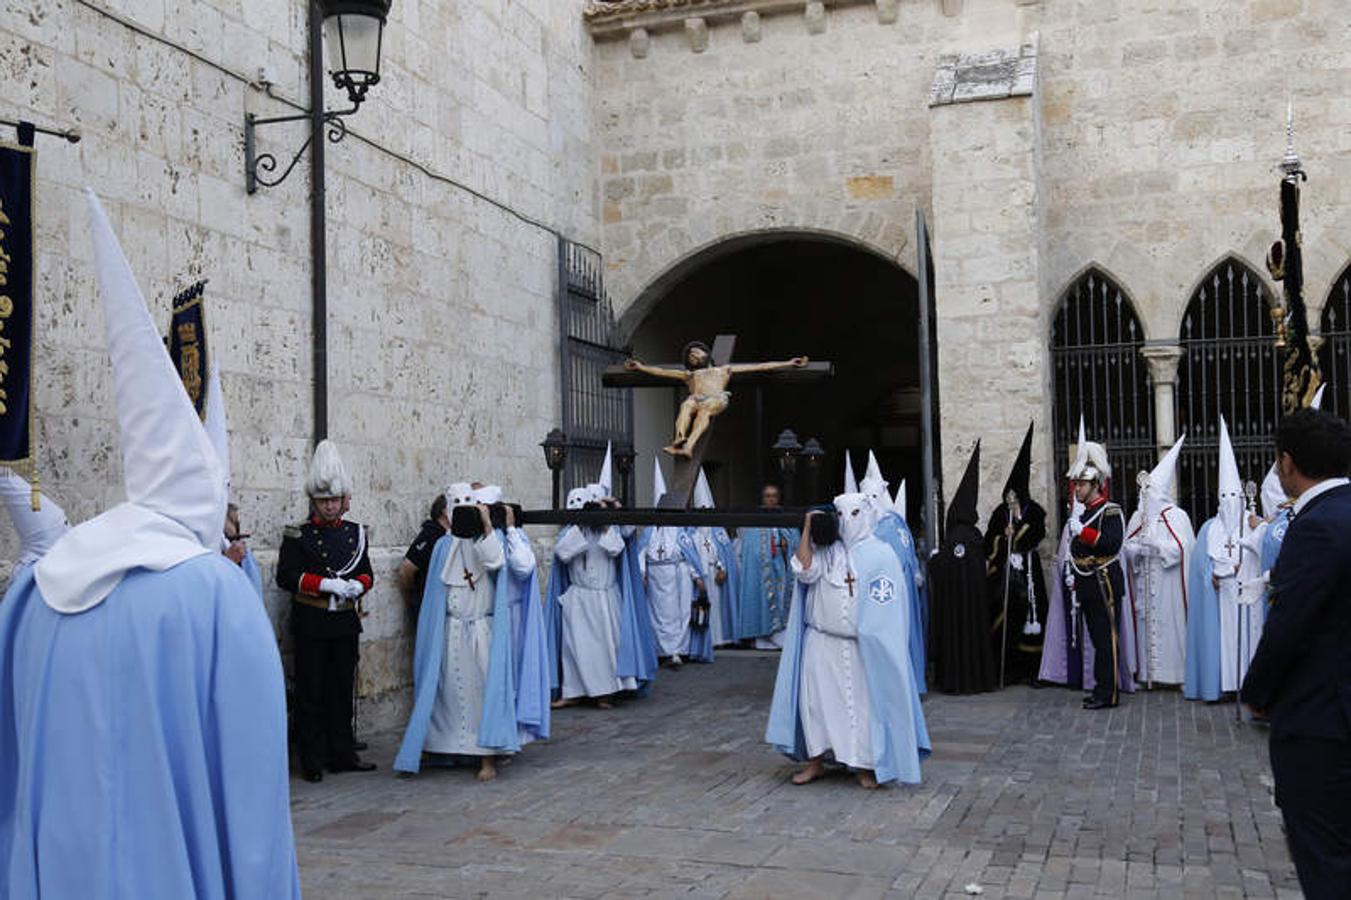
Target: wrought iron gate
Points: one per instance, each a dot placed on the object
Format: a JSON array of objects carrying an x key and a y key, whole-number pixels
[
  {"x": 1334, "y": 356},
  {"x": 1229, "y": 367},
  {"x": 588, "y": 342},
  {"x": 1098, "y": 372}
]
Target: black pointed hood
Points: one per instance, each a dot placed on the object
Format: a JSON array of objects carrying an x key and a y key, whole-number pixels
[
  {"x": 962, "y": 510},
  {"x": 1020, "y": 478}
]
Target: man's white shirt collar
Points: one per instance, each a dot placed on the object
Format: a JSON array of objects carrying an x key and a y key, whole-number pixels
[{"x": 1317, "y": 490}]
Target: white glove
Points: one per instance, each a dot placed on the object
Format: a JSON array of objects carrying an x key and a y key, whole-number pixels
[
  {"x": 1016, "y": 562},
  {"x": 334, "y": 586},
  {"x": 351, "y": 588},
  {"x": 1076, "y": 526}
]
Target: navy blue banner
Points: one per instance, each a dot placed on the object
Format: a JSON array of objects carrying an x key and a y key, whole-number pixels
[
  {"x": 187, "y": 344},
  {"x": 16, "y": 306}
]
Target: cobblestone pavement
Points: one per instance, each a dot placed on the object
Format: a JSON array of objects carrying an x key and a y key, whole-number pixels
[{"x": 1025, "y": 795}]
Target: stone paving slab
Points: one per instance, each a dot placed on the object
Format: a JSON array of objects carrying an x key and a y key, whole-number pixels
[{"x": 676, "y": 796}]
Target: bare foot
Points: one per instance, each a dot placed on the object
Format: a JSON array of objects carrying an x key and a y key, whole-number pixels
[
  {"x": 562, "y": 704},
  {"x": 673, "y": 450},
  {"x": 867, "y": 779},
  {"x": 813, "y": 770},
  {"x": 487, "y": 770}
]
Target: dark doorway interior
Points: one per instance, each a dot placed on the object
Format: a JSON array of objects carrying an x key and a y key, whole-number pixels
[{"x": 829, "y": 301}]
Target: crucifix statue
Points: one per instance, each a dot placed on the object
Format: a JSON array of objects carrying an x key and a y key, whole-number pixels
[{"x": 708, "y": 395}]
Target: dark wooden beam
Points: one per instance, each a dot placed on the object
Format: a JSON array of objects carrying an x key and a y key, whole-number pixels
[{"x": 619, "y": 377}]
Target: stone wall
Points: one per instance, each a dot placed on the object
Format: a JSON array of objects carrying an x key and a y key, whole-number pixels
[
  {"x": 442, "y": 203},
  {"x": 1148, "y": 148}
]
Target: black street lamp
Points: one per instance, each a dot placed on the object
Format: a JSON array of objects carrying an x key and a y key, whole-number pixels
[
  {"x": 814, "y": 456},
  {"x": 354, "y": 30},
  {"x": 555, "y": 446},
  {"x": 624, "y": 460},
  {"x": 786, "y": 450}
]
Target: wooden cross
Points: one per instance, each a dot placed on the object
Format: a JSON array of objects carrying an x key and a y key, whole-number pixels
[
  {"x": 686, "y": 469},
  {"x": 849, "y": 579},
  {"x": 661, "y": 552},
  {"x": 468, "y": 576}
]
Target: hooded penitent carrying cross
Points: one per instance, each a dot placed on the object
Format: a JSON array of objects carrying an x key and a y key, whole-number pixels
[
  {"x": 718, "y": 558},
  {"x": 962, "y": 658},
  {"x": 142, "y": 706},
  {"x": 671, "y": 572},
  {"x": 844, "y": 690},
  {"x": 1016, "y": 585},
  {"x": 892, "y": 530},
  {"x": 1159, "y": 543}
]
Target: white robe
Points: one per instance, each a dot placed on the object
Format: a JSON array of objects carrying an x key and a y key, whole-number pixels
[
  {"x": 590, "y": 613},
  {"x": 1158, "y": 556},
  {"x": 469, "y": 637},
  {"x": 1236, "y": 560},
  {"x": 833, "y": 701},
  {"x": 670, "y": 591},
  {"x": 707, "y": 548}
]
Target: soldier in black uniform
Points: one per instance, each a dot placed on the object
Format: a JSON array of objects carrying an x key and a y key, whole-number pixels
[
  {"x": 1098, "y": 529},
  {"x": 324, "y": 564},
  {"x": 413, "y": 566}
]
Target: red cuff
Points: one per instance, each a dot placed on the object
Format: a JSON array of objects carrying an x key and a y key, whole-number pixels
[
  {"x": 309, "y": 584},
  {"x": 366, "y": 581},
  {"x": 1090, "y": 536}
]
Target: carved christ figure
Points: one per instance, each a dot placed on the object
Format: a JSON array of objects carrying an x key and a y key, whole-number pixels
[{"x": 707, "y": 385}]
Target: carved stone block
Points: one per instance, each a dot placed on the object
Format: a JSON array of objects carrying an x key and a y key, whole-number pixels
[
  {"x": 639, "y": 43},
  {"x": 816, "y": 17},
  {"x": 888, "y": 11},
  {"x": 750, "y": 27},
  {"x": 696, "y": 31}
]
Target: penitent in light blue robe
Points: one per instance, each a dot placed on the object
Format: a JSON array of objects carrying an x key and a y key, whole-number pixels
[
  {"x": 900, "y": 737},
  {"x": 143, "y": 742},
  {"x": 1273, "y": 539},
  {"x": 895, "y": 533},
  {"x": 498, "y": 727},
  {"x": 1203, "y": 625}
]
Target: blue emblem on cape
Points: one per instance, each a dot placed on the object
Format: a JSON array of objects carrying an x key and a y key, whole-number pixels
[{"x": 881, "y": 590}]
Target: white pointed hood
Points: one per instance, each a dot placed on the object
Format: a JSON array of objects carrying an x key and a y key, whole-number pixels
[
  {"x": 850, "y": 482},
  {"x": 1273, "y": 495},
  {"x": 1230, "y": 510},
  {"x": 606, "y": 479},
  {"x": 874, "y": 487},
  {"x": 175, "y": 503},
  {"x": 578, "y": 498},
  {"x": 328, "y": 476},
  {"x": 703, "y": 494},
  {"x": 38, "y": 529},
  {"x": 899, "y": 504},
  {"x": 1156, "y": 494},
  {"x": 658, "y": 482},
  {"x": 488, "y": 494},
  {"x": 855, "y": 512}
]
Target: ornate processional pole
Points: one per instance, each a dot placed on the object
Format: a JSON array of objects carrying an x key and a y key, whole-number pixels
[{"x": 1300, "y": 376}]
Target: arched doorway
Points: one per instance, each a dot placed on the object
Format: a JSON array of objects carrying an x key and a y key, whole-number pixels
[
  {"x": 1334, "y": 354},
  {"x": 785, "y": 295},
  {"x": 1230, "y": 367},
  {"x": 1098, "y": 373}
]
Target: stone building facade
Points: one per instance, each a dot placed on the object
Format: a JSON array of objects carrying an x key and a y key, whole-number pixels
[{"x": 1041, "y": 138}]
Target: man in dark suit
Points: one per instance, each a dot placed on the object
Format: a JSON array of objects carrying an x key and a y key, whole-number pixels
[{"x": 1301, "y": 673}]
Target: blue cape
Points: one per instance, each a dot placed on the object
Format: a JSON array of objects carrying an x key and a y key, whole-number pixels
[
  {"x": 530, "y": 642},
  {"x": 637, "y": 647},
  {"x": 1203, "y": 625},
  {"x": 143, "y": 742},
  {"x": 1275, "y": 536},
  {"x": 900, "y": 737},
  {"x": 728, "y": 610},
  {"x": 893, "y": 531},
  {"x": 498, "y": 729}
]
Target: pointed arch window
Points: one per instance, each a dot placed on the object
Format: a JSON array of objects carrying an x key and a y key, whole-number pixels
[
  {"x": 1334, "y": 355},
  {"x": 1229, "y": 368},
  {"x": 1097, "y": 370}
]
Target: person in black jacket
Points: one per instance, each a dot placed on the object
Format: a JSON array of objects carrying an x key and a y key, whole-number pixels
[
  {"x": 323, "y": 563},
  {"x": 1097, "y": 531},
  {"x": 1300, "y": 677}
]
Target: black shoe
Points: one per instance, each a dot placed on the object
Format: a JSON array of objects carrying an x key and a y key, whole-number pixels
[
  {"x": 313, "y": 777},
  {"x": 1099, "y": 704},
  {"x": 352, "y": 765}
]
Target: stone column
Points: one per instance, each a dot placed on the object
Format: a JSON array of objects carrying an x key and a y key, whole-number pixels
[
  {"x": 993, "y": 357},
  {"x": 1163, "y": 360}
]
